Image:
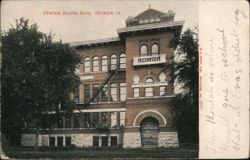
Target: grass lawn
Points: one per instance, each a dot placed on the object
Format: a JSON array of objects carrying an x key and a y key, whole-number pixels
[{"x": 81, "y": 153}]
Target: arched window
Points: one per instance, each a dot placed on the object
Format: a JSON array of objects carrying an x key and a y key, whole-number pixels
[
  {"x": 155, "y": 49},
  {"x": 144, "y": 50},
  {"x": 104, "y": 63},
  {"x": 87, "y": 64},
  {"x": 149, "y": 89},
  {"x": 95, "y": 64},
  {"x": 149, "y": 81},
  {"x": 113, "y": 62},
  {"x": 122, "y": 61}
]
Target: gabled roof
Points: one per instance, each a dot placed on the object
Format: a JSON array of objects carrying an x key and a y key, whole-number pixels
[{"x": 150, "y": 13}]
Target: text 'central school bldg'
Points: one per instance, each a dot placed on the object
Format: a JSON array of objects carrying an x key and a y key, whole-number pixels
[{"x": 124, "y": 99}]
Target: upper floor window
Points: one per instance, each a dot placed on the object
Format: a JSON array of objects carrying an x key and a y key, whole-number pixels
[
  {"x": 87, "y": 64},
  {"x": 155, "y": 49},
  {"x": 149, "y": 90},
  {"x": 104, "y": 119},
  {"x": 77, "y": 120},
  {"x": 86, "y": 120},
  {"x": 104, "y": 63},
  {"x": 113, "y": 92},
  {"x": 122, "y": 118},
  {"x": 95, "y": 64},
  {"x": 149, "y": 80},
  {"x": 162, "y": 90},
  {"x": 144, "y": 50},
  {"x": 104, "y": 93},
  {"x": 122, "y": 91},
  {"x": 136, "y": 92},
  {"x": 67, "y": 122},
  {"x": 113, "y": 62},
  {"x": 77, "y": 95},
  {"x": 96, "y": 119},
  {"x": 113, "y": 117},
  {"x": 86, "y": 92},
  {"x": 95, "y": 90},
  {"x": 122, "y": 61}
]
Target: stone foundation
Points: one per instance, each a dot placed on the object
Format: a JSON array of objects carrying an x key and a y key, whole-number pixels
[
  {"x": 28, "y": 140},
  {"x": 168, "y": 140},
  {"x": 79, "y": 140},
  {"x": 132, "y": 140},
  {"x": 82, "y": 140}
]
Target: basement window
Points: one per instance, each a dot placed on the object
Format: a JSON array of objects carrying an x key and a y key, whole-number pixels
[
  {"x": 113, "y": 141},
  {"x": 105, "y": 141},
  {"x": 95, "y": 141},
  {"x": 68, "y": 141},
  {"x": 52, "y": 141},
  {"x": 60, "y": 141}
]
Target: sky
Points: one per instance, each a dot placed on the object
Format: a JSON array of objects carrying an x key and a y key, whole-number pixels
[{"x": 73, "y": 28}]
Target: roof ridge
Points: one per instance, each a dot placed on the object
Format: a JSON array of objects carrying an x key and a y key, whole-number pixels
[{"x": 148, "y": 10}]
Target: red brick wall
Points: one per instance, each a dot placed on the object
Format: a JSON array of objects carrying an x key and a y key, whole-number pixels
[
  {"x": 100, "y": 77},
  {"x": 132, "y": 50}
]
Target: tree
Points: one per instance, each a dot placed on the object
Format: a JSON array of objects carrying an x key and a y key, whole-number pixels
[
  {"x": 37, "y": 77},
  {"x": 186, "y": 75}
]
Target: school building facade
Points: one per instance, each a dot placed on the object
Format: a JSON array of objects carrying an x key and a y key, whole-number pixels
[{"x": 124, "y": 99}]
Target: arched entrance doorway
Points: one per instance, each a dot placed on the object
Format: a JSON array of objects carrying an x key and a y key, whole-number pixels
[{"x": 149, "y": 132}]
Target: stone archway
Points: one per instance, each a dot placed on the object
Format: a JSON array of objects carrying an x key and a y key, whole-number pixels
[
  {"x": 149, "y": 129},
  {"x": 150, "y": 113}
]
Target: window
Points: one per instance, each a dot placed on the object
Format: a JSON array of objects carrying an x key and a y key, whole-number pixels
[
  {"x": 77, "y": 95},
  {"x": 162, "y": 90},
  {"x": 60, "y": 122},
  {"x": 86, "y": 93},
  {"x": 67, "y": 122},
  {"x": 95, "y": 141},
  {"x": 136, "y": 92},
  {"x": 95, "y": 90},
  {"x": 104, "y": 141},
  {"x": 104, "y": 63},
  {"x": 104, "y": 93},
  {"x": 77, "y": 120},
  {"x": 113, "y": 141},
  {"x": 86, "y": 120},
  {"x": 113, "y": 62},
  {"x": 149, "y": 90},
  {"x": 68, "y": 141},
  {"x": 144, "y": 50},
  {"x": 59, "y": 141},
  {"x": 87, "y": 64},
  {"x": 51, "y": 121},
  {"x": 104, "y": 120},
  {"x": 149, "y": 81},
  {"x": 122, "y": 61},
  {"x": 95, "y": 64},
  {"x": 113, "y": 92},
  {"x": 96, "y": 119},
  {"x": 123, "y": 91},
  {"x": 155, "y": 49},
  {"x": 113, "y": 119},
  {"x": 122, "y": 118},
  {"x": 52, "y": 141}
]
